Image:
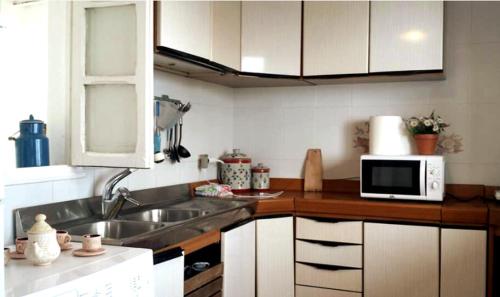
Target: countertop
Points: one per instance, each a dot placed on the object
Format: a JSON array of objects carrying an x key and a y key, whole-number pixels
[
  {"x": 23, "y": 278},
  {"x": 332, "y": 204}
]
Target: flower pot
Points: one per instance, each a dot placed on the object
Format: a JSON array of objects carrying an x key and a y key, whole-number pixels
[{"x": 426, "y": 143}]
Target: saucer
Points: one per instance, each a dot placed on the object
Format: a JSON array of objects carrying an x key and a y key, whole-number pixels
[
  {"x": 84, "y": 253},
  {"x": 66, "y": 246},
  {"x": 15, "y": 255}
]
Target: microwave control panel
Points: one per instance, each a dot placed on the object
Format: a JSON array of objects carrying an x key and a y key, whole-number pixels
[{"x": 435, "y": 179}]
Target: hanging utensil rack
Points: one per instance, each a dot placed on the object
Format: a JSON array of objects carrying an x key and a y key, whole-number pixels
[{"x": 168, "y": 115}]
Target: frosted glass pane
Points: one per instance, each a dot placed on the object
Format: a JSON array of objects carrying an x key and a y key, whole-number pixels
[
  {"x": 110, "y": 118},
  {"x": 111, "y": 40}
]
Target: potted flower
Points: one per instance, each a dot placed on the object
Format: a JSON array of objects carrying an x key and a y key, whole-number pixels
[{"x": 426, "y": 131}]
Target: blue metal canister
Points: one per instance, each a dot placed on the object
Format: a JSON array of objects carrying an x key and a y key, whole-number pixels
[{"x": 32, "y": 145}]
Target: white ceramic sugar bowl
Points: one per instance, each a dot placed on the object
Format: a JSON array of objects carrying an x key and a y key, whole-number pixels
[{"x": 42, "y": 247}]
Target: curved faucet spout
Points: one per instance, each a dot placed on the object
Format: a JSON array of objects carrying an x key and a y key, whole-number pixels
[{"x": 107, "y": 194}]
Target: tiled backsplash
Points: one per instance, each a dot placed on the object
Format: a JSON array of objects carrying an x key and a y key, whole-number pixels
[
  {"x": 207, "y": 129},
  {"x": 277, "y": 125}
]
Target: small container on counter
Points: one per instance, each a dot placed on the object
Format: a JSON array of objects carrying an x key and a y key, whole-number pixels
[
  {"x": 236, "y": 171},
  {"x": 260, "y": 177}
]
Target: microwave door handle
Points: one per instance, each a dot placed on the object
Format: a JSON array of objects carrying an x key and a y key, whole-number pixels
[{"x": 423, "y": 178}]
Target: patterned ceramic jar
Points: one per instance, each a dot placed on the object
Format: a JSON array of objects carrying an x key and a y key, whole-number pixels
[
  {"x": 236, "y": 171},
  {"x": 260, "y": 177}
]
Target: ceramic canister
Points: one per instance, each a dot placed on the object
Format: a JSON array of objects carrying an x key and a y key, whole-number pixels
[
  {"x": 236, "y": 171},
  {"x": 260, "y": 177}
]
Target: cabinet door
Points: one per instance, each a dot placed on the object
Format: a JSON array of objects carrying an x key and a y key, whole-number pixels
[
  {"x": 169, "y": 278},
  {"x": 111, "y": 87},
  {"x": 335, "y": 37},
  {"x": 401, "y": 260},
  {"x": 463, "y": 263},
  {"x": 271, "y": 37},
  {"x": 226, "y": 33},
  {"x": 275, "y": 263},
  {"x": 238, "y": 256},
  {"x": 406, "y": 35},
  {"x": 186, "y": 26}
]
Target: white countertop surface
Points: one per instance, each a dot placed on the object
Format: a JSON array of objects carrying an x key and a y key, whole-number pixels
[{"x": 23, "y": 278}]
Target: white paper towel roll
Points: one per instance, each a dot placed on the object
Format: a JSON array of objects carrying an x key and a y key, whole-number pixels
[{"x": 389, "y": 136}]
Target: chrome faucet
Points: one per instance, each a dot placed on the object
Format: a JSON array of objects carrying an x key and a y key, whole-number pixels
[{"x": 113, "y": 203}]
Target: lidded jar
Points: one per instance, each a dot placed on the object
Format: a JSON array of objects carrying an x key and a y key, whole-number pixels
[
  {"x": 260, "y": 177},
  {"x": 236, "y": 171},
  {"x": 42, "y": 247}
]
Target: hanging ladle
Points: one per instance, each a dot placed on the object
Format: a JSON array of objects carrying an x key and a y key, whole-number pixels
[{"x": 182, "y": 151}]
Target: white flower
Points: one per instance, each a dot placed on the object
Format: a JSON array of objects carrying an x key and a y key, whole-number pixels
[
  {"x": 435, "y": 128},
  {"x": 413, "y": 123},
  {"x": 440, "y": 120},
  {"x": 428, "y": 122}
]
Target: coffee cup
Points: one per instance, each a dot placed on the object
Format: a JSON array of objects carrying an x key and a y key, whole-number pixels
[
  {"x": 21, "y": 243},
  {"x": 63, "y": 237},
  {"x": 91, "y": 242}
]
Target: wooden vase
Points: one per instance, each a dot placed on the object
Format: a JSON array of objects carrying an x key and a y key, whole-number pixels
[{"x": 426, "y": 143}]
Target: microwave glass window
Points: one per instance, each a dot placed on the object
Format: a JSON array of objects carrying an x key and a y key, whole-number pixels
[{"x": 391, "y": 177}]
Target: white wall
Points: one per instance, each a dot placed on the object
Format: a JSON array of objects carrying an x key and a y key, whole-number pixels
[
  {"x": 277, "y": 125},
  {"x": 207, "y": 129}
]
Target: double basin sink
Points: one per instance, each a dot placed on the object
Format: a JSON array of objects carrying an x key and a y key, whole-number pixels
[
  {"x": 153, "y": 226},
  {"x": 133, "y": 224}
]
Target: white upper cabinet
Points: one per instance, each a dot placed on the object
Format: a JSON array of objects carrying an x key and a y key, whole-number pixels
[
  {"x": 207, "y": 29},
  {"x": 226, "y": 33},
  {"x": 406, "y": 36},
  {"x": 271, "y": 37},
  {"x": 186, "y": 26},
  {"x": 111, "y": 85},
  {"x": 335, "y": 37}
]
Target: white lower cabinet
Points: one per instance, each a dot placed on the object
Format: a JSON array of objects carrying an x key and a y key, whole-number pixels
[
  {"x": 238, "y": 256},
  {"x": 275, "y": 262},
  {"x": 463, "y": 263},
  {"x": 401, "y": 260},
  {"x": 169, "y": 277}
]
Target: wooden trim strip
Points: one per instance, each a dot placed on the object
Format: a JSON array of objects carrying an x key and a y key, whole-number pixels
[{"x": 194, "y": 244}]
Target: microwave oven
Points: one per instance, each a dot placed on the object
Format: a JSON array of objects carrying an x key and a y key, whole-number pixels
[{"x": 402, "y": 177}]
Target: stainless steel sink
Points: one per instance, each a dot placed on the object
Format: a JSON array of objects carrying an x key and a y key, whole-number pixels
[
  {"x": 165, "y": 215},
  {"x": 115, "y": 229}
]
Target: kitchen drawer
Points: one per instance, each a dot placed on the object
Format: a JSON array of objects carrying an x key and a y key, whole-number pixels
[
  {"x": 346, "y": 231},
  {"x": 301, "y": 291},
  {"x": 327, "y": 277},
  {"x": 339, "y": 255}
]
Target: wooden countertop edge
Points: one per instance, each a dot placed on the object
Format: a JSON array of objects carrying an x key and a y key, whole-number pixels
[{"x": 195, "y": 243}]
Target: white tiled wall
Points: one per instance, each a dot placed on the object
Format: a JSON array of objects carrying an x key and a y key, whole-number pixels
[
  {"x": 277, "y": 125},
  {"x": 207, "y": 130}
]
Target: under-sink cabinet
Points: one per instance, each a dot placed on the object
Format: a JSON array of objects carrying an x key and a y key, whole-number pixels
[
  {"x": 328, "y": 257},
  {"x": 168, "y": 271},
  {"x": 112, "y": 84}
]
